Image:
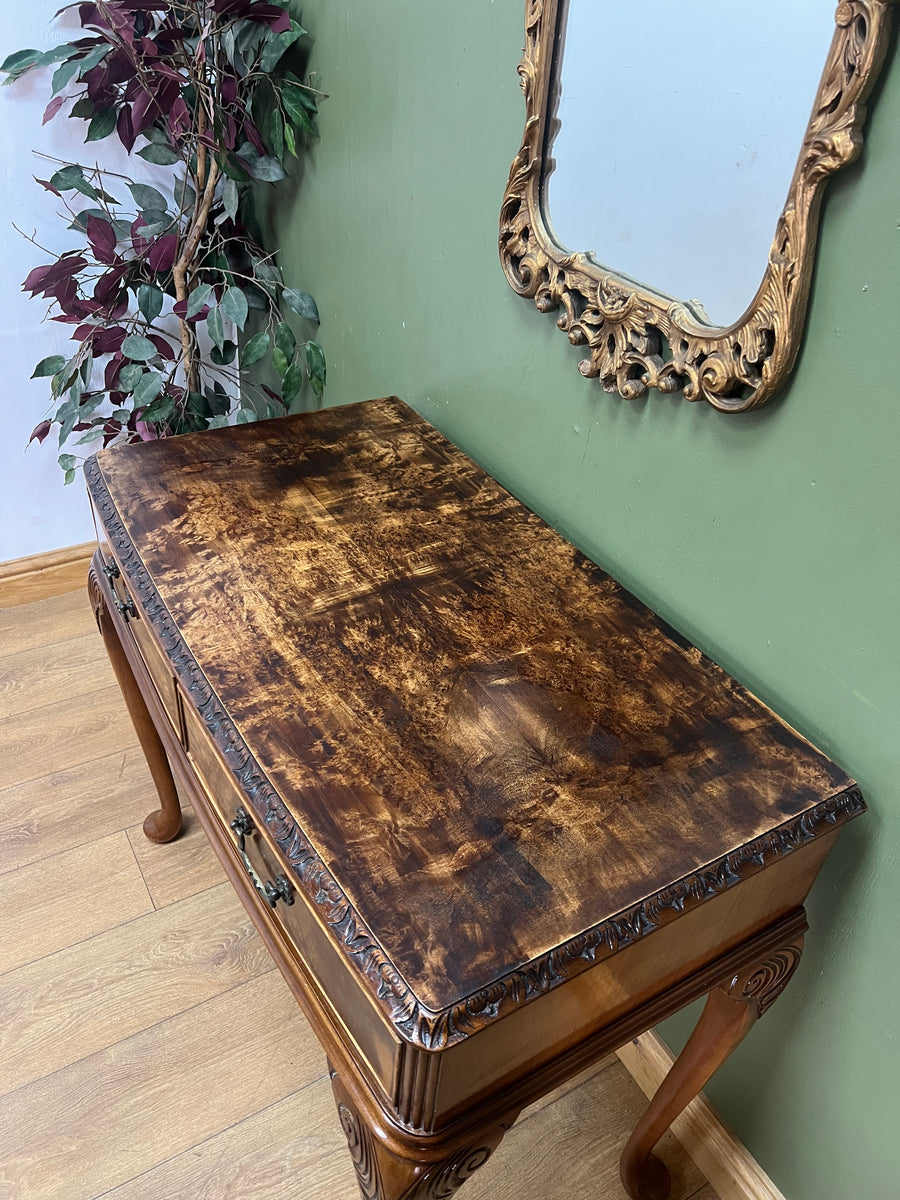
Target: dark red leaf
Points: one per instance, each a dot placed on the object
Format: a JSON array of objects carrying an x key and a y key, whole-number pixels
[
  {"x": 144, "y": 111},
  {"x": 179, "y": 116},
  {"x": 50, "y": 112},
  {"x": 125, "y": 127},
  {"x": 272, "y": 15},
  {"x": 162, "y": 253},
  {"x": 107, "y": 287},
  {"x": 120, "y": 308},
  {"x": 35, "y": 280},
  {"x": 229, "y": 89},
  {"x": 111, "y": 370},
  {"x": 108, "y": 340},
  {"x": 81, "y": 425},
  {"x": 39, "y": 432},
  {"x": 162, "y": 346},
  {"x": 252, "y": 133},
  {"x": 119, "y": 66},
  {"x": 84, "y": 331},
  {"x": 102, "y": 237},
  {"x": 48, "y": 187}
]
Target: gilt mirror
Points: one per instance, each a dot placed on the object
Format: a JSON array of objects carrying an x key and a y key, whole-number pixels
[{"x": 667, "y": 191}]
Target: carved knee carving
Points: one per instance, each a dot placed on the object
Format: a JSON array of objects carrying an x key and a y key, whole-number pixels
[
  {"x": 392, "y": 1172},
  {"x": 731, "y": 1011}
]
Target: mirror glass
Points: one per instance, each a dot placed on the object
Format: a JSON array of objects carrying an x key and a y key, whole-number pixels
[{"x": 679, "y": 129}]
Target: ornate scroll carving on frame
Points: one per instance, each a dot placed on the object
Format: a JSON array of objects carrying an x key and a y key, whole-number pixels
[{"x": 637, "y": 338}]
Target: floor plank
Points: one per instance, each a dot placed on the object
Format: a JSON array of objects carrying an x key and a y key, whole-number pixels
[
  {"x": 90, "y": 996},
  {"x": 66, "y": 734},
  {"x": 176, "y": 869},
  {"x": 294, "y": 1150},
  {"x": 59, "y": 901},
  {"x": 43, "y": 675},
  {"x": 569, "y": 1150},
  {"x": 97, "y": 1124},
  {"x": 51, "y": 813},
  {"x": 47, "y": 621}
]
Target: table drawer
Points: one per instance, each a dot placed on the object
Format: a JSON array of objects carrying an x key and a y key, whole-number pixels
[{"x": 290, "y": 913}]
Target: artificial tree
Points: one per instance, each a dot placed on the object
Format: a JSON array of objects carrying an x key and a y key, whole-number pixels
[{"x": 203, "y": 87}]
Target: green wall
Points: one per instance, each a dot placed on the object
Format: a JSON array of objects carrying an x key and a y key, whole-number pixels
[{"x": 770, "y": 539}]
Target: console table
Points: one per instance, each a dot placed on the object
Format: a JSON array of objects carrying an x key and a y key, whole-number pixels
[{"x": 491, "y": 816}]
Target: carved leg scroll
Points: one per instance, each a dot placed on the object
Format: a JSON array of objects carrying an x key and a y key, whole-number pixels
[
  {"x": 165, "y": 824},
  {"x": 730, "y": 1012},
  {"x": 394, "y": 1172}
]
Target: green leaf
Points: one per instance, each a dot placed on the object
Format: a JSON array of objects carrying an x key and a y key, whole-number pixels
[
  {"x": 265, "y": 168},
  {"x": 234, "y": 306},
  {"x": 290, "y": 140},
  {"x": 101, "y": 125},
  {"x": 48, "y": 366},
  {"x": 139, "y": 348},
  {"x": 256, "y": 349},
  {"x": 147, "y": 197},
  {"x": 230, "y": 198},
  {"x": 156, "y": 135},
  {"x": 225, "y": 356},
  {"x": 217, "y": 422},
  {"x": 159, "y": 410},
  {"x": 63, "y": 74},
  {"x": 71, "y": 178},
  {"x": 92, "y": 58},
  {"x": 276, "y": 133},
  {"x": 163, "y": 156},
  {"x": 150, "y": 301},
  {"x": 69, "y": 477},
  {"x": 20, "y": 62},
  {"x": 84, "y": 107},
  {"x": 267, "y": 270},
  {"x": 276, "y": 48},
  {"x": 246, "y": 416},
  {"x": 292, "y": 382},
  {"x": 301, "y": 303},
  {"x": 91, "y": 435},
  {"x": 197, "y": 299},
  {"x": 315, "y": 361},
  {"x": 58, "y": 54},
  {"x": 87, "y": 369},
  {"x": 296, "y": 109},
  {"x": 280, "y": 361},
  {"x": 285, "y": 340},
  {"x": 66, "y": 461},
  {"x": 129, "y": 376},
  {"x": 216, "y": 327},
  {"x": 148, "y": 388}
]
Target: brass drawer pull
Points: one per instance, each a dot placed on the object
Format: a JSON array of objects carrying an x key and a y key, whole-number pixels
[
  {"x": 126, "y": 607},
  {"x": 270, "y": 891}
]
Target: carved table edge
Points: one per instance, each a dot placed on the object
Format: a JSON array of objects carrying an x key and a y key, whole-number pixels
[{"x": 416, "y": 1023}]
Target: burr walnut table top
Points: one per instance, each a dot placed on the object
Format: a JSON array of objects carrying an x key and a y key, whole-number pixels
[{"x": 488, "y": 764}]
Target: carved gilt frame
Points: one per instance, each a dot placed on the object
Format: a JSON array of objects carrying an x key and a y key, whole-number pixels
[{"x": 639, "y": 338}]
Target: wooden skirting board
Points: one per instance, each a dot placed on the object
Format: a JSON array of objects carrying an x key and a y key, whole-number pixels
[
  {"x": 733, "y": 1172},
  {"x": 40, "y": 576}
]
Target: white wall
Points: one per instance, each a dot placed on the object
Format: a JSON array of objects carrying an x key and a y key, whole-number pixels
[{"x": 36, "y": 511}]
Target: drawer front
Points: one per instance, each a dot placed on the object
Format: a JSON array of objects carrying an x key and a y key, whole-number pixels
[{"x": 291, "y": 914}]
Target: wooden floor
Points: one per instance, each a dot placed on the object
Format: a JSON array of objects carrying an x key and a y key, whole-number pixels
[{"x": 148, "y": 1048}]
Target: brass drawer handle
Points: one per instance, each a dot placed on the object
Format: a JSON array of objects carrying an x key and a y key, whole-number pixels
[
  {"x": 270, "y": 891},
  {"x": 126, "y": 607}
]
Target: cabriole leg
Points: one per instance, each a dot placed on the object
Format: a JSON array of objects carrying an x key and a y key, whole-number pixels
[
  {"x": 387, "y": 1173},
  {"x": 730, "y": 1012},
  {"x": 165, "y": 824}
]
